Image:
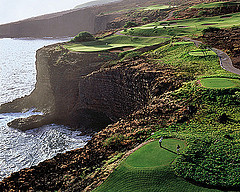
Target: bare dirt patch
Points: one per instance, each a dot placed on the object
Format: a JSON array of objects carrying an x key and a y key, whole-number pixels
[{"x": 119, "y": 50}]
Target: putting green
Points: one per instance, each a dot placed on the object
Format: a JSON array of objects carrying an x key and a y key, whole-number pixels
[
  {"x": 148, "y": 169},
  {"x": 220, "y": 83},
  {"x": 151, "y": 155}
]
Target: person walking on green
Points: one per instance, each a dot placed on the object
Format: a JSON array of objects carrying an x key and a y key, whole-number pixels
[
  {"x": 160, "y": 141},
  {"x": 178, "y": 147}
]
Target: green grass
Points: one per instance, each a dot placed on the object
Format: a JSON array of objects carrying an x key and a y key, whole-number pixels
[
  {"x": 215, "y": 5},
  {"x": 202, "y": 53},
  {"x": 148, "y": 169},
  {"x": 154, "y": 7},
  {"x": 185, "y": 27},
  {"x": 183, "y": 43},
  {"x": 151, "y": 155},
  {"x": 212, "y": 156},
  {"x": 178, "y": 56},
  {"x": 113, "y": 42},
  {"x": 220, "y": 83}
]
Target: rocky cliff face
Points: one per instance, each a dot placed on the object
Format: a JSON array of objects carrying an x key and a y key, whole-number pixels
[
  {"x": 74, "y": 89},
  {"x": 78, "y": 86}
]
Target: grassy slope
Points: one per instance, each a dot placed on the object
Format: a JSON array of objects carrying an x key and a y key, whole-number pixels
[
  {"x": 148, "y": 169},
  {"x": 116, "y": 41},
  {"x": 213, "y": 146},
  {"x": 190, "y": 26},
  {"x": 215, "y": 4}
]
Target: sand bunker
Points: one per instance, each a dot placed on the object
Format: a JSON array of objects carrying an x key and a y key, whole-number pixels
[{"x": 121, "y": 49}]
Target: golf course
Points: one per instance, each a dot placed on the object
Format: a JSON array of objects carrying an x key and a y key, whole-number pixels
[{"x": 149, "y": 169}]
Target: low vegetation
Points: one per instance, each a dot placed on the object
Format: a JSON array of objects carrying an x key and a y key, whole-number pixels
[{"x": 215, "y": 4}]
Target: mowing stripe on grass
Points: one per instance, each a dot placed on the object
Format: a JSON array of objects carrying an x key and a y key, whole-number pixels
[{"x": 148, "y": 170}]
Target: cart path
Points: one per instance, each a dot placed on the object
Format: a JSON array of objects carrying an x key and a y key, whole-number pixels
[{"x": 225, "y": 60}]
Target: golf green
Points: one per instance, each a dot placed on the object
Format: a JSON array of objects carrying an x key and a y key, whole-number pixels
[
  {"x": 220, "y": 83},
  {"x": 148, "y": 169}
]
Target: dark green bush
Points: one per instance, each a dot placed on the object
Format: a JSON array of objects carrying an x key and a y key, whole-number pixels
[
  {"x": 144, "y": 19},
  {"x": 130, "y": 24},
  {"x": 83, "y": 36}
]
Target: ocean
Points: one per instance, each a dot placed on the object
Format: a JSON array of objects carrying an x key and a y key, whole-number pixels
[{"x": 20, "y": 149}]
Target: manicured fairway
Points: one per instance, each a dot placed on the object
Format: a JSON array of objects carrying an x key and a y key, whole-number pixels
[
  {"x": 220, "y": 83},
  {"x": 185, "y": 27},
  {"x": 148, "y": 170},
  {"x": 113, "y": 42},
  {"x": 153, "y": 7}
]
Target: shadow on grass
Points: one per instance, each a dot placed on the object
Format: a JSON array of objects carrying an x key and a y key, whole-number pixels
[{"x": 169, "y": 150}]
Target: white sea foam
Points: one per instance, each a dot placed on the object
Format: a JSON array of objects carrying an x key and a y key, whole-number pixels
[{"x": 19, "y": 149}]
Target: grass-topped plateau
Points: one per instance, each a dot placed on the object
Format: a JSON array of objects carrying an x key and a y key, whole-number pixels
[
  {"x": 114, "y": 42},
  {"x": 148, "y": 169}
]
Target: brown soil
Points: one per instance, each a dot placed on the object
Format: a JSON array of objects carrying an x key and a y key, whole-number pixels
[{"x": 119, "y": 50}]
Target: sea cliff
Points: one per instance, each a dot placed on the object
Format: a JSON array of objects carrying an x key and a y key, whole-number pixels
[{"x": 79, "y": 90}]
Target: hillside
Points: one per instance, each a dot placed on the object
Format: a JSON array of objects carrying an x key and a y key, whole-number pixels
[
  {"x": 129, "y": 86},
  {"x": 94, "y": 3}
]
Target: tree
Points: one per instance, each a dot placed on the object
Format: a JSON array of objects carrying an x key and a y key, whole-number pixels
[
  {"x": 83, "y": 36},
  {"x": 144, "y": 19}
]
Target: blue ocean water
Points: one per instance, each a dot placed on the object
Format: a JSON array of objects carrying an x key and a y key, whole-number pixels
[{"x": 20, "y": 149}]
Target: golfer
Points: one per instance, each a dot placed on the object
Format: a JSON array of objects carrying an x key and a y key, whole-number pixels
[
  {"x": 178, "y": 147},
  {"x": 160, "y": 141}
]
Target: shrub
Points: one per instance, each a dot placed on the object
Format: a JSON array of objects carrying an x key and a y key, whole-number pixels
[
  {"x": 144, "y": 19},
  {"x": 131, "y": 55},
  {"x": 83, "y": 36},
  {"x": 130, "y": 24},
  {"x": 114, "y": 142},
  {"x": 210, "y": 29}
]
